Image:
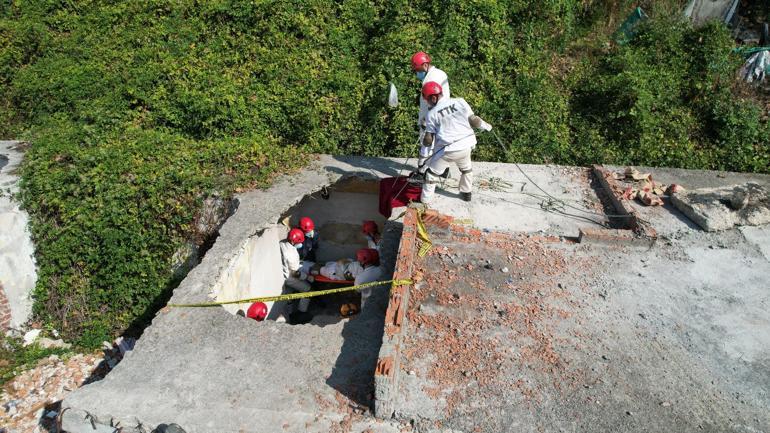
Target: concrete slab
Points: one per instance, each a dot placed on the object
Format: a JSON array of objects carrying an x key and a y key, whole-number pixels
[
  {"x": 702, "y": 11},
  {"x": 210, "y": 371},
  {"x": 667, "y": 220},
  {"x": 724, "y": 207},
  {"x": 505, "y": 200},
  {"x": 18, "y": 272},
  {"x": 519, "y": 333}
]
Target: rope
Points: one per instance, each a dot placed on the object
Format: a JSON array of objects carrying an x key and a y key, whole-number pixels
[
  {"x": 555, "y": 199},
  {"x": 292, "y": 296}
]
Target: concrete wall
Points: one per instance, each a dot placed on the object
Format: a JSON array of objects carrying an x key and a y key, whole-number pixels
[
  {"x": 18, "y": 272},
  {"x": 254, "y": 272},
  {"x": 338, "y": 219}
]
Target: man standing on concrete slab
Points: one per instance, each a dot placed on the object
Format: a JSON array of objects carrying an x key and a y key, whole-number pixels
[
  {"x": 295, "y": 278},
  {"x": 425, "y": 72},
  {"x": 369, "y": 258},
  {"x": 450, "y": 122}
]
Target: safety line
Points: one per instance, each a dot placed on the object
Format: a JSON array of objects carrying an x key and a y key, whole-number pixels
[
  {"x": 564, "y": 203},
  {"x": 292, "y": 296}
]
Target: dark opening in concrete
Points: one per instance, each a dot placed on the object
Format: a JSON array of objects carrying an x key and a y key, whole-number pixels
[{"x": 338, "y": 211}]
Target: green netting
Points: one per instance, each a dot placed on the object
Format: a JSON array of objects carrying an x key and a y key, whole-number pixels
[{"x": 627, "y": 30}]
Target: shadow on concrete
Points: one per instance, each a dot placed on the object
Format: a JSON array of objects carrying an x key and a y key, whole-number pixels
[
  {"x": 203, "y": 243},
  {"x": 372, "y": 166},
  {"x": 607, "y": 206},
  {"x": 3, "y": 161},
  {"x": 680, "y": 216},
  {"x": 353, "y": 372}
]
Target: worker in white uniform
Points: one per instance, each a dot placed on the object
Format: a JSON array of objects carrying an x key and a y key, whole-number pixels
[
  {"x": 426, "y": 73},
  {"x": 293, "y": 273},
  {"x": 369, "y": 258},
  {"x": 372, "y": 234},
  {"x": 449, "y": 126}
]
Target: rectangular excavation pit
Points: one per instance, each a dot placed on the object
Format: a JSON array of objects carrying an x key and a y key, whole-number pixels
[{"x": 338, "y": 212}]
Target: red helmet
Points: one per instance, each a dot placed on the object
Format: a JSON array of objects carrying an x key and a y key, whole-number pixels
[
  {"x": 367, "y": 256},
  {"x": 418, "y": 59},
  {"x": 370, "y": 228},
  {"x": 257, "y": 311},
  {"x": 296, "y": 236},
  {"x": 431, "y": 88},
  {"x": 306, "y": 224}
]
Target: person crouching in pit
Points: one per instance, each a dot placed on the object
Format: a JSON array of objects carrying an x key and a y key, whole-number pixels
[
  {"x": 294, "y": 275},
  {"x": 369, "y": 259}
]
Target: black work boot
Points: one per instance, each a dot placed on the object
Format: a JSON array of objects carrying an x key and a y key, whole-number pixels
[{"x": 466, "y": 196}]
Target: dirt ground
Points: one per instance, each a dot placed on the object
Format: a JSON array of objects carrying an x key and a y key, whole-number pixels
[{"x": 517, "y": 332}]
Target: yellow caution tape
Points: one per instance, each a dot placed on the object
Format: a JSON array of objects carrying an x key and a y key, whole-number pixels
[
  {"x": 423, "y": 235},
  {"x": 298, "y": 295}
]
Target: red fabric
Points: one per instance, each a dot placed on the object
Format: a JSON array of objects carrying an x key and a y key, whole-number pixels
[
  {"x": 322, "y": 279},
  {"x": 397, "y": 192}
]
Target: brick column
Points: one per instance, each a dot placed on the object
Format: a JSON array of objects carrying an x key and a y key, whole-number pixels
[{"x": 5, "y": 311}]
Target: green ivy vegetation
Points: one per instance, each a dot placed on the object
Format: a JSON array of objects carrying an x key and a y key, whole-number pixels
[{"x": 138, "y": 111}]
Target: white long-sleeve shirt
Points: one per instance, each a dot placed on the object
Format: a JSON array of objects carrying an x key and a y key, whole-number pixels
[
  {"x": 369, "y": 275},
  {"x": 290, "y": 256},
  {"x": 448, "y": 121},
  {"x": 439, "y": 76}
]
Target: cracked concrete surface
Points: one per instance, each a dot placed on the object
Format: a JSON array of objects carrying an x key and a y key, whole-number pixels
[
  {"x": 211, "y": 371},
  {"x": 520, "y": 333}
]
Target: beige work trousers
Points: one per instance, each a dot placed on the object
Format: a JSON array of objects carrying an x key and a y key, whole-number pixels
[
  {"x": 300, "y": 286},
  {"x": 462, "y": 158}
]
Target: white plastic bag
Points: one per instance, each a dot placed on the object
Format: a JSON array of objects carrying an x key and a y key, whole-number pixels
[{"x": 393, "y": 96}]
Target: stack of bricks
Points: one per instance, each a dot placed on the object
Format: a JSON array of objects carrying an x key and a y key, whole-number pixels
[
  {"x": 641, "y": 230},
  {"x": 388, "y": 364},
  {"x": 5, "y": 311},
  {"x": 432, "y": 217},
  {"x": 386, "y": 372}
]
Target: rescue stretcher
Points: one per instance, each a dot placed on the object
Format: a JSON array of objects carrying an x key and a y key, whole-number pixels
[{"x": 322, "y": 279}]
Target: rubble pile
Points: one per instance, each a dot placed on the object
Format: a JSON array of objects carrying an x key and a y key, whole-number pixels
[
  {"x": 476, "y": 293},
  {"x": 31, "y": 401}
]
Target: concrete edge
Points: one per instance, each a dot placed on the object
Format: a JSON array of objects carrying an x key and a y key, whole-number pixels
[
  {"x": 387, "y": 370},
  {"x": 613, "y": 237},
  {"x": 690, "y": 212},
  {"x": 641, "y": 228}
]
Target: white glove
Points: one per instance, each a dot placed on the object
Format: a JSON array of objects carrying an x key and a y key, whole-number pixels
[{"x": 485, "y": 126}]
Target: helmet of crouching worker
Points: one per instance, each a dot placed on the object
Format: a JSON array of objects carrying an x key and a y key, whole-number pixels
[
  {"x": 370, "y": 228},
  {"x": 257, "y": 311},
  {"x": 368, "y": 256},
  {"x": 296, "y": 237},
  {"x": 306, "y": 224},
  {"x": 431, "y": 88},
  {"x": 418, "y": 59}
]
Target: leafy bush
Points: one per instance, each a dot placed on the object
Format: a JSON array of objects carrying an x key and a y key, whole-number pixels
[
  {"x": 138, "y": 111},
  {"x": 666, "y": 99}
]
